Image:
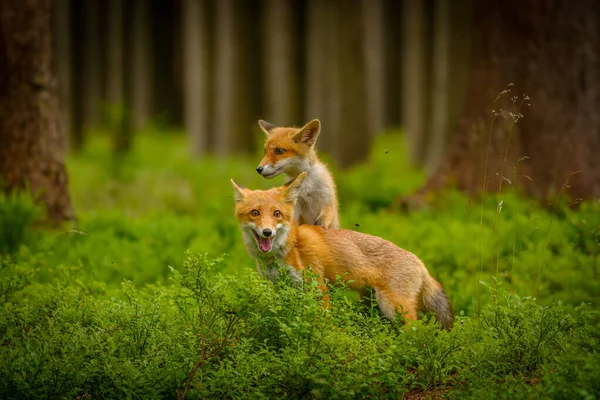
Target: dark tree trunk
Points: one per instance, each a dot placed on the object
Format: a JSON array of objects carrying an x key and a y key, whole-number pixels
[
  {"x": 549, "y": 50},
  {"x": 280, "y": 61},
  {"x": 414, "y": 77},
  {"x": 317, "y": 97},
  {"x": 373, "y": 26},
  {"x": 141, "y": 65},
  {"x": 196, "y": 74},
  {"x": 237, "y": 81},
  {"x": 116, "y": 78},
  {"x": 90, "y": 87},
  {"x": 336, "y": 71},
  {"x": 350, "y": 93},
  {"x": 31, "y": 151},
  {"x": 63, "y": 48}
]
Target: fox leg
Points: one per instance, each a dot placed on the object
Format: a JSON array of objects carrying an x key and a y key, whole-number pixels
[{"x": 390, "y": 302}]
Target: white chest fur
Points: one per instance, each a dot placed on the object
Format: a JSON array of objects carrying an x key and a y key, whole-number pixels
[{"x": 316, "y": 194}]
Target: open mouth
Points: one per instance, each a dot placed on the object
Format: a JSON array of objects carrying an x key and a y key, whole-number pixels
[{"x": 264, "y": 244}]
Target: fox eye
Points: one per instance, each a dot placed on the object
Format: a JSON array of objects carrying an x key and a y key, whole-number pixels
[
  {"x": 279, "y": 151},
  {"x": 255, "y": 213},
  {"x": 277, "y": 214}
]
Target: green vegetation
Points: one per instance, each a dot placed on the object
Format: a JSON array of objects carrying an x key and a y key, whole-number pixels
[{"x": 152, "y": 295}]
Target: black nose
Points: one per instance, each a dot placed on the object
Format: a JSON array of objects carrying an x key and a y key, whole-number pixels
[
  {"x": 267, "y": 232},
  {"x": 259, "y": 169}
]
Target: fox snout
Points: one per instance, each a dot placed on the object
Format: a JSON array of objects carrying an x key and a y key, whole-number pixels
[
  {"x": 264, "y": 238},
  {"x": 268, "y": 171}
]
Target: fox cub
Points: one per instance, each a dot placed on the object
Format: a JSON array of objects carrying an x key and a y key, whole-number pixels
[
  {"x": 292, "y": 151},
  {"x": 272, "y": 237}
]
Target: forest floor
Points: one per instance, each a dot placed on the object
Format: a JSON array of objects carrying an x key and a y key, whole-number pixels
[{"x": 152, "y": 294}]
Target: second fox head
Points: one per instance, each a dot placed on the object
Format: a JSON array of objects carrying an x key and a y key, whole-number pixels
[{"x": 288, "y": 150}]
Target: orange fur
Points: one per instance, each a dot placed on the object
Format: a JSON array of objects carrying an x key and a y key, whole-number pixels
[{"x": 400, "y": 280}]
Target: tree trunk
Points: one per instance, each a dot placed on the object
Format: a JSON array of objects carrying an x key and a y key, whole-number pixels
[
  {"x": 31, "y": 149},
  {"x": 317, "y": 103},
  {"x": 280, "y": 61},
  {"x": 352, "y": 131},
  {"x": 196, "y": 74},
  {"x": 393, "y": 85},
  {"x": 414, "y": 103},
  {"x": 90, "y": 88},
  {"x": 550, "y": 51},
  {"x": 236, "y": 94},
  {"x": 115, "y": 78},
  {"x": 62, "y": 28},
  {"x": 440, "y": 87},
  {"x": 336, "y": 79},
  {"x": 141, "y": 65},
  {"x": 164, "y": 36},
  {"x": 375, "y": 74}
]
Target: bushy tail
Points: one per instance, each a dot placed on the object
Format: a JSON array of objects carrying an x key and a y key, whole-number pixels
[{"x": 435, "y": 300}]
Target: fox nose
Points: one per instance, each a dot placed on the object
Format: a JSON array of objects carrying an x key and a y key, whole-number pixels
[
  {"x": 267, "y": 232},
  {"x": 259, "y": 169}
]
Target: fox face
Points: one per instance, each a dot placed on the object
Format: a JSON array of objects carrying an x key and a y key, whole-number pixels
[
  {"x": 288, "y": 150},
  {"x": 265, "y": 216}
]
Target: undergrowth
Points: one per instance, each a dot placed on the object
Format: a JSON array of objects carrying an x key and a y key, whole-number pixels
[{"x": 118, "y": 307}]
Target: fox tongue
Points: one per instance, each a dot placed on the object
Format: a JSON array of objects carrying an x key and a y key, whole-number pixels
[{"x": 264, "y": 244}]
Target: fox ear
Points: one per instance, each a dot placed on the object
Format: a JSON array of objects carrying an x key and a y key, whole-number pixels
[
  {"x": 238, "y": 191},
  {"x": 267, "y": 127},
  {"x": 308, "y": 133},
  {"x": 291, "y": 190}
]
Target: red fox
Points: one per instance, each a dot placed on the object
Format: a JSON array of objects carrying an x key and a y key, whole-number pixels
[
  {"x": 272, "y": 237},
  {"x": 292, "y": 151}
]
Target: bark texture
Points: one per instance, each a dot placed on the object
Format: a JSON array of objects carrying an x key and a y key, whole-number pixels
[
  {"x": 31, "y": 151},
  {"x": 549, "y": 50}
]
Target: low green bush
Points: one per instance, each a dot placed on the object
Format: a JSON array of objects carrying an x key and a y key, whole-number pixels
[
  {"x": 209, "y": 336},
  {"x": 116, "y": 308}
]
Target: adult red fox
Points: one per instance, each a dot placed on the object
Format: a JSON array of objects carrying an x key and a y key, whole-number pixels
[{"x": 272, "y": 236}]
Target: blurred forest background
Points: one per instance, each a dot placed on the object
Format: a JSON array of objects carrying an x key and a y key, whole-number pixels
[
  {"x": 214, "y": 68},
  {"x": 434, "y": 68},
  {"x": 466, "y": 132}
]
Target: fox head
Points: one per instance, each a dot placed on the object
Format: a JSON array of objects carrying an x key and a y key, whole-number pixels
[
  {"x": 266, "y": 216},
  {"x": 288, "y": 150}
]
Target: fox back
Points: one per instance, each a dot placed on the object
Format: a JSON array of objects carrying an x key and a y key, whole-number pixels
[
  {"x": 291, "y": 151},
  {"x": 271, "y": 235}
]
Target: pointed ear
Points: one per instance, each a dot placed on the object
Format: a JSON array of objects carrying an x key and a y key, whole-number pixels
[
  {"x": 238, "y": 191},
  {"x": 308, "y": 133},
  {"x": 291, "y": 190},
  {"x": 267, "y": 127}
]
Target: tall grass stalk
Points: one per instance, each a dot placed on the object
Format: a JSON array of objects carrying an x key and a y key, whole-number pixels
[{"x": 483, "y": 192}]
